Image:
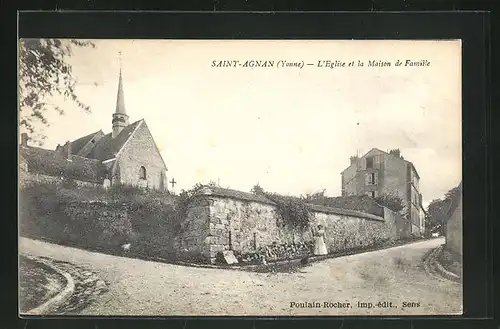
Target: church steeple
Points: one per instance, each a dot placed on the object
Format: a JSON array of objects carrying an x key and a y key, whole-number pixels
[
  {"x": 120, "y": 100},
  {"x": 120, "y": 117}
]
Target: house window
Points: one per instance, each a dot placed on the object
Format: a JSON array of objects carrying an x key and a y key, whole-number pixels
[
  {"x": 371, "y": 178},
  {"x": 369, "y": 163},
  {"x": 142, "y": 173},
  {"x": 373, "y": 194}
]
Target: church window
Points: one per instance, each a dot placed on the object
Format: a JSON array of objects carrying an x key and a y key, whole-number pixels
[{"x": 142, "y": 173}]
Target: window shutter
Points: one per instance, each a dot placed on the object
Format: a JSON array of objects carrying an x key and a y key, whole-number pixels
[
  {"x": 367, "y": 179},
  {"x": 376, "y": 178}
]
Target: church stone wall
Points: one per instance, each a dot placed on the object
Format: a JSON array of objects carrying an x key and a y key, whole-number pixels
[
  {"x": 245, "y": 226},
  {"x": 139, "y": 151}
]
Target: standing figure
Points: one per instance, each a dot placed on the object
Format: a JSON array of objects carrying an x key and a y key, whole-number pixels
[
  {"x": 319, "y": 242},
  {"x": 106, "y": 183}
]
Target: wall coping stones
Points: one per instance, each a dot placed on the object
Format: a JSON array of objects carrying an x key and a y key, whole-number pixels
[
  {"x": 344, "y": 212},
  {"x": 235, "y": 194},
  {"x": 245, "y": 196}
]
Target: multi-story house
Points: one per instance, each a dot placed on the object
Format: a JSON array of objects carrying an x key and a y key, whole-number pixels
[{"x": 387, "y": 173}]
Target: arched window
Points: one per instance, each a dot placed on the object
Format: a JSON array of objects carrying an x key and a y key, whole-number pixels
[{"x": 142, "y": 173}]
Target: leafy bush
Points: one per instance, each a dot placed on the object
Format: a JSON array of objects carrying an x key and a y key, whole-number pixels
[
  {"x": 69, "y": 215},
  {"x": 257, "y": 190},
  {"x": 273, "y": 253},
  {"x": 286, "y": 251},
  {"x": 437, "y": 215},
  {"x": 391, "y": 201},
  {"x": 183, "y": 202},
  {"x": 55, "y": 164},
  {"x": 292, "y": 210}
]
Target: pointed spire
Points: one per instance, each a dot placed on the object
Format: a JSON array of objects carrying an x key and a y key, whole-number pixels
[
  {"x": 120, "y": 99},
  {"x": 120, "y": 117}
]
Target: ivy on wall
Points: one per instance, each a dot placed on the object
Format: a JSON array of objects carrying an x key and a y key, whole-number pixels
[
  {"x": 293, "y": 211},
  {"x": 92, "y": 217}
]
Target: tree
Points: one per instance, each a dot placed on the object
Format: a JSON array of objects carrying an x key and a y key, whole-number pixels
[
  {"x": 437, "y": 212},
  {"x": 317, "y": 198},
  {"x": 45, "y": 72},
  {"x": 257, "y": 189},
  {"x": 391, "y": 201}
]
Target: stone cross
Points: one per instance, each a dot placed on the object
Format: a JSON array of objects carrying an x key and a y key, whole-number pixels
[{"x": 173, "y": 182}]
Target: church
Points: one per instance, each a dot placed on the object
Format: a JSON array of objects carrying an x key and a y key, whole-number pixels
[{"x": 127, "y": 155}]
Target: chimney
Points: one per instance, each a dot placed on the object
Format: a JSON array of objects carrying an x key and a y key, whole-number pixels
[
  {"x": 354, "y": 159},
  {"x": 66, "y": 150},
  {"x": 24, "y": 139},
  {"x": 395, "y": 152}
]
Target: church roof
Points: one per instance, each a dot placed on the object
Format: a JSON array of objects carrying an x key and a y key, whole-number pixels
[
  {"x": 107, "y": 147},
  {"x": 79, "y": 143},
  {"x": 52, "y": 163}
]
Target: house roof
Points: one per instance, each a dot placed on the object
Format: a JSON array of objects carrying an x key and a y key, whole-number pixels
[
  {"x": 52, "y": 163},
  {"x": 79, "y": 143},
  {"x": 107, "y": 147},
  {"x": 376, "y": 149}
]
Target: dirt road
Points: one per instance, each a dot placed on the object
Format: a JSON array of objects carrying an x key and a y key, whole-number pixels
[{"x": 362, "y": 284}]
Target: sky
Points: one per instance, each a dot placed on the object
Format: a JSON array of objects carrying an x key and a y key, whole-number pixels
[{"x": 290, "y": 129}]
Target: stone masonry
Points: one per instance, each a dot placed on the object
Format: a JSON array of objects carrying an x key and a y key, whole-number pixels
[
  {"x": 244, "y": 223},
  {"x": 141, "y": 150}
]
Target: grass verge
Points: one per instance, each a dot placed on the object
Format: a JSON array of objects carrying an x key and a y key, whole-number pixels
[
  {"x": 450, "y": 262},
  {"x": 37, "y": 284}
]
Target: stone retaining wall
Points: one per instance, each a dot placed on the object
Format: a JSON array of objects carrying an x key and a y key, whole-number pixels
[
  {"x": 28, "y": 178},
  {"x": 221, "y": 222}
]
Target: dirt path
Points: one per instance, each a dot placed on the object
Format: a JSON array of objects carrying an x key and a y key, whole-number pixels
[{"x": 138, "y": 287}]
